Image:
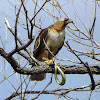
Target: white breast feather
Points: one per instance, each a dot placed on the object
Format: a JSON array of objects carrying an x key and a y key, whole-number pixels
[{"x": 55, "y": 39}]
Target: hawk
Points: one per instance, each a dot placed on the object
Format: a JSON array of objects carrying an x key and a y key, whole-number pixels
[{"x": 48, "y": 43}]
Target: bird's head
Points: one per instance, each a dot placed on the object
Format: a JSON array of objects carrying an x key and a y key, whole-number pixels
[
  {"x": 61, "y": 24},
  {"x": 65, "y": 20}
]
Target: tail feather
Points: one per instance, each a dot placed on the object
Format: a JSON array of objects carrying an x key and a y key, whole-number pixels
[{"x": 38, "y": 77}]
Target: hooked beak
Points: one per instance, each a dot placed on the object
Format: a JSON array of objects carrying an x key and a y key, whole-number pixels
[{"x": 69, "y": 21}]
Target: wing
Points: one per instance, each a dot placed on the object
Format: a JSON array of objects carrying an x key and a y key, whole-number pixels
[{"x": 39, "y": 42}]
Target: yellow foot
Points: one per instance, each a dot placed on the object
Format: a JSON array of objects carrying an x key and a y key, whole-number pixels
[{"x": 51, "y": 61}]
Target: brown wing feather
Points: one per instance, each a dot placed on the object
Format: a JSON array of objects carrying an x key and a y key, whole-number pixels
[{"x": 39, "y": 42}]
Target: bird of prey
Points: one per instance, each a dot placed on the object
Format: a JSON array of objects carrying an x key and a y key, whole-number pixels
[{"x": 48, "y": 43}]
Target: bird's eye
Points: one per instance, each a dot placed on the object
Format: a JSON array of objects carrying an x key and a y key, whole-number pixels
[{"x": 66, "y": 19}]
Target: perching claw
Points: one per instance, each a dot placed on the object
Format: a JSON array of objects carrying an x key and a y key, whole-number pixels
[{"x": 57, "y": 68}]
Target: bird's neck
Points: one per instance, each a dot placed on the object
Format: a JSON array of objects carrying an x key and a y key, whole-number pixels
[{"x": 58, "y": 26}]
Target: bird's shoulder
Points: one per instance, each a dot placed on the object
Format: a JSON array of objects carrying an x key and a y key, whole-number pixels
[{"x": 39, "y": 42}]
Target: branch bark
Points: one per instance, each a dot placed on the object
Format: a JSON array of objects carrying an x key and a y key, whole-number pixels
[{"x": 45, "y": 68}]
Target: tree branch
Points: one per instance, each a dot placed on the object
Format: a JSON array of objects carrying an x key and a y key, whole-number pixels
[
  {"x": 40, "y": 9},
  {"x": 45, "y": 68},
  {"x": 21, "y": 48},
  {"x": 16, "y": 22},
  {"x": 85, "y": 65},
  {"x": 29, "y": 58},
  {"x": 55, "y": 91}
]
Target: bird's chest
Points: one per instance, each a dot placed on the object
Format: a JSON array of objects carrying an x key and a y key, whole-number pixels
[{"x": 55, "y": 39}]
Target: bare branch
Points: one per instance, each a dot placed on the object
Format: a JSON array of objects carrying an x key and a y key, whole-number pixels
[
  {"x": 30, "y": 58},
  {"x": 45, "y": 68},
  {"x": 85, "y": 65},
  {"x": 16, "y": 22},
  {"x": 40, "y": 9},
  {"x": 31, "y": 15},
  {"x": 20, "y": 48},
  {"x": 55, "y": 91}
]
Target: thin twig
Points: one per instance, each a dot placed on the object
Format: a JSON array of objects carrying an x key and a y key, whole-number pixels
[
  {"x": 16, "y": 22},
  {"x": 20, "y": 48},
  {"x": 30, "y": 58},
  {"x": 40, "y": 9},
  {"x": 56, "y": 91},
  {"x": 85, "y": 65},
  {"x": 43, "y": 89}
]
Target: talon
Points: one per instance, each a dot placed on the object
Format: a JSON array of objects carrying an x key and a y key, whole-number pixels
[{"x": 51, "y": 61}]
